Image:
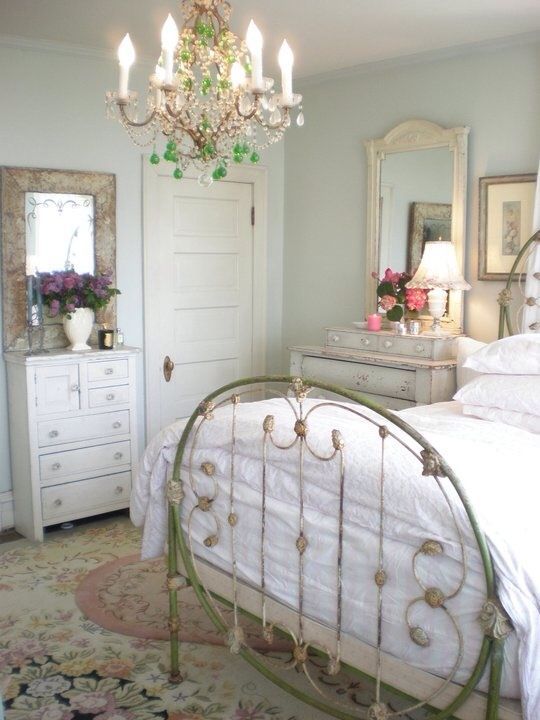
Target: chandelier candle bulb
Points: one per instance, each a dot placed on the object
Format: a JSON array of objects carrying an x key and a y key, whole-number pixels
[
  {"x": 286, "y": 60},
  {"x": 238, "y": 75},
  {"x": 254, "y": 41},
  {"x": 126, "y": 58},
  {"x": 157, "y": 81},
  {"x": 169, "y": 41}
]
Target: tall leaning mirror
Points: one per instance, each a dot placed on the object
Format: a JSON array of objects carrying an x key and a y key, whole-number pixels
[
  {"x": 417, "y": 185},
  {"x": 53, "y": 220}
]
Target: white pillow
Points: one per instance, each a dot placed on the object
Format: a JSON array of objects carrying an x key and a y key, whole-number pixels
[
  {"x": 525, "y": 421},
  {"x": 466, "y": 346},
  {"x": 514, "y": 355},
  {"x": 520, "y": 393}
]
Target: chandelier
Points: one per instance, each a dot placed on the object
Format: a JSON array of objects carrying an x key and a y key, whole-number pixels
[{"x": 208, "y": 95}]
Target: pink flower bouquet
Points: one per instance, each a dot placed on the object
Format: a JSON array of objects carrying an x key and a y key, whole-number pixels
[{"x": 395, "y": 298}]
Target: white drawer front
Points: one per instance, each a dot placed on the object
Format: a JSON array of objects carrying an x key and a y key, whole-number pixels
[
  {"x": 66, "y": 430},
  {"x": 107, "y": 370},
  {"x": 390, "y": 382},
  {"x": 57, "y": 389},
  {"x": 77, "y": 462},
  {"x": 353, "y": 340},
  {"x": 85, "y": 497},
  {"x": 410, "y": 346},
  {"x": 102, "y": 397}
]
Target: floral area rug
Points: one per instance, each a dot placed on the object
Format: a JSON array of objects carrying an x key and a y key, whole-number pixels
[
  {"x": 130, "y": 597},
  {"x": 57, "y": 664}
]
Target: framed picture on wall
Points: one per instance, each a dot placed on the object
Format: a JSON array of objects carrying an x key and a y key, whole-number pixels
[
  {"x": 427, "y": 221},
  {"x": 505, "y": 222}
]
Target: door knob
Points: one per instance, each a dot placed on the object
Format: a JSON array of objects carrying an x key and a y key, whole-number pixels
[{"x": 168, "y": 367}]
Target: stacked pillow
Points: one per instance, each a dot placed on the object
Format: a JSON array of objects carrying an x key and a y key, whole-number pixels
[{"x": 508, "y": 388}]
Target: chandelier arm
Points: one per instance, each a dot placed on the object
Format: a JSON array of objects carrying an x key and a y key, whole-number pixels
[
  {"x": 273, "y": 126},
  {"x": 134, "y": 123},
  {"x": 252, "y": 112}
]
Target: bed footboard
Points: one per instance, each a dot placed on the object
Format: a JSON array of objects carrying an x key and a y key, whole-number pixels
[{"x": 262, "y": 490}]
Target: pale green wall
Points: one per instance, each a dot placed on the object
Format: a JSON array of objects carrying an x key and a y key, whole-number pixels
[
  {"x": 55, "y": 118},
  {"x": 495, "y": 92}
]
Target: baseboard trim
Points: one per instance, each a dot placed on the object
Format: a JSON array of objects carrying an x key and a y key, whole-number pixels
[{"x": 7, "y": 518}]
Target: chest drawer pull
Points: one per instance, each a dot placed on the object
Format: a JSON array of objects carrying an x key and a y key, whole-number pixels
[
  {"x": 335, "y": 338},
  {"x": 110, "y": 396},
  {"x": 119, "y": 490},
  {"x": 117, "y": 424},
  {"x": 419, "y": 348},
  {"x": 364, "y": 341},
  {"x": 57, "y": 502},
  {"x": 109, "y": 371},
  {"x": 53, "y": 433},
  {"x": 118, "y": 455},
  {"x": 388, "y": 343},
  {"x": 56, "y": 466}
]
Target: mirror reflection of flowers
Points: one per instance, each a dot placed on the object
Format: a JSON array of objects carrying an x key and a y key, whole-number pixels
[
  {"x": 65, "y": 291},
  {"x": 396, "y": 299}
]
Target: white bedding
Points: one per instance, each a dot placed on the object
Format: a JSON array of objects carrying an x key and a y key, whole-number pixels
[{"x": 497, "y": 465}]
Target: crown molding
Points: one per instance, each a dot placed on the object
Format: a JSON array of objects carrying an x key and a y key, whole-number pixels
[{"x": 426, "y": 56}]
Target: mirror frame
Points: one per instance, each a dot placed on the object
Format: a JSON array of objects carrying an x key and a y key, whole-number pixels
[
  {"x": 407, "y": 136},
  {"x": 15, "y": 183}
]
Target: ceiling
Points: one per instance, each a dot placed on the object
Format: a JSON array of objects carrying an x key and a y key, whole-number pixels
[{"x": 326, "y": 35}]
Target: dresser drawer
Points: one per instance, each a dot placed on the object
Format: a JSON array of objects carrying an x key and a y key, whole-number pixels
[
  {"x": 353, "y": 340},
  {"x": 85, "y": 497},
  {"x": 410, "y": 346},
  {"x": 114, "y": 395},
  {"x": 88, "y": 427},
  {"x": 374, "y": 379},
  {"x": 76, "y": 462},
  {"x": 112, "y": 370}
]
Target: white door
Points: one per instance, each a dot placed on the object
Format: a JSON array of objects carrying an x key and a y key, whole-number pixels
[{"x": 199, "y": 291}]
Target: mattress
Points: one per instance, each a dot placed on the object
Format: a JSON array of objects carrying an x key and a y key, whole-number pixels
[{"x": 483, "y": 455}]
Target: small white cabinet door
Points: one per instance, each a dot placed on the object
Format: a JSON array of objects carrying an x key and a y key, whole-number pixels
[{"x": 57, "y": 388}]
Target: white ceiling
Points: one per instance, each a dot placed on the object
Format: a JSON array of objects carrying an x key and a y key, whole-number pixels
[{"x": 326, "y": 35}]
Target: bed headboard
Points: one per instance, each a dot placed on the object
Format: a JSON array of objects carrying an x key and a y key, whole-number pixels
[{"x": 520, "y": 304}]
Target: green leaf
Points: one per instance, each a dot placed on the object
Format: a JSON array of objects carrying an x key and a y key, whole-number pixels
[
  {"x": 395, "y": 314},
  {"x": 385, "y": 288}
]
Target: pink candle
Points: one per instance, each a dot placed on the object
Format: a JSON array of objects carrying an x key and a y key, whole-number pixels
[{"x": 374, "y": 322}]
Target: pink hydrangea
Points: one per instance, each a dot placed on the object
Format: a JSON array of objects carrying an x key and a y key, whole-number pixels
[
  {"x": 387, "y": 302},
  {"x": 415, "y": 298},
  {"x": 391, "y": 276}
]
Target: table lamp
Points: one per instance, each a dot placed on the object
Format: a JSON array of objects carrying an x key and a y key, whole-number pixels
[{"x": 438, "y": 272}]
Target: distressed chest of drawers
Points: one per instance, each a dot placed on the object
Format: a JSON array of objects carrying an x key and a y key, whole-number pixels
[
  {"x": 73, "y": 434},
  {"x": 397, "y": 371}
]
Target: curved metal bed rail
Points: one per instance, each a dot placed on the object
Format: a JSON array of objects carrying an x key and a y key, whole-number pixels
[
  {"x": 388, "y": 426},
  {"x": 525, "y": 295}
]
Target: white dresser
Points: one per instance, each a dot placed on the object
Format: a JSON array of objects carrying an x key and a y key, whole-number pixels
[
  {"x": 73, "y": 434},
  {"x": 397, "y": 371}
]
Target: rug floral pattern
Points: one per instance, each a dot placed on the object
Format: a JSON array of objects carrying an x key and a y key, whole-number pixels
[{"x": 55, "y": 664}]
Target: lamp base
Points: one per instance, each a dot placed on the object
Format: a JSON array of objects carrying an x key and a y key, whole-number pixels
[{"x": 437, "y": 307}]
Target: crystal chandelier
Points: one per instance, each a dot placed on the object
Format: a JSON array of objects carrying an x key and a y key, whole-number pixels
[{"x": 208, "y": 95}]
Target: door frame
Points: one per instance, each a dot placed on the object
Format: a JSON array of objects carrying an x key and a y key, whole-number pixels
[{"x": 257, "y": 177}]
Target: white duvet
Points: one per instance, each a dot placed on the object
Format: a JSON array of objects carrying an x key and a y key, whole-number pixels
[{"x": 497, "y": 465}]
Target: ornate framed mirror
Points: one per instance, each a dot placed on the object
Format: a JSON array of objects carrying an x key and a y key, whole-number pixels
[
  {"x": 417, "y": 188},
  {"x": 53, "y": 220}
]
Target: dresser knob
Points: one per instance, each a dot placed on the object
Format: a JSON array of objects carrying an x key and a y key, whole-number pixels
[
  {"x": 56, "y": 466},
  {"x": 53, "y": 433},
  {"x": 57, "y": 502},
  {"x": 335, "y": 338},
  {"x": 419, "y": 348},
  {"x": 119, "y": 490},
  {"x": 388, "y": 343},
  {"x": 117, "y": 424},
  {"x": 109, "y": 371},
  {"x": 75, "y": 387},
  {"x": 364, "y": 341},
  {"x": 118, "y": 455},
  {"x": 110, "y": 396}
]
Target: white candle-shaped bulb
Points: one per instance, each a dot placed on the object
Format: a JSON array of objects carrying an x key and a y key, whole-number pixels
[
  {"x": 169, "y": 41},
  {"x": 286, "y": 61},
  {"x": 158, "y": 78},
  {"x": 238, "y": 75},
  {"x": 126, "y": 58},
  {"x": 254, "y": 41}
]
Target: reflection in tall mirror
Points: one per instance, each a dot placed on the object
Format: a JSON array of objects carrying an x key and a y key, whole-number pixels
[
  {"x": 59, "y": 232},
  {"x": 417, "y": 178}
]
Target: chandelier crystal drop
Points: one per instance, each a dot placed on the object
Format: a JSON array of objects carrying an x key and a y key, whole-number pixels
[{"x": 208, "y": 95}]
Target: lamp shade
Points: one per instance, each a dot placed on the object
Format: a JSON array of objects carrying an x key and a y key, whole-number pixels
[{"x": 439, "y": 268}]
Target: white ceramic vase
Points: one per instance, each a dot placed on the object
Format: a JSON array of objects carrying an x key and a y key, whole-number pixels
[{"x": 78, "y": 327}]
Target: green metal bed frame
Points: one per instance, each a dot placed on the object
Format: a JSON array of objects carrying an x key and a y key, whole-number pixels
[{"x": 182, "y": 561}]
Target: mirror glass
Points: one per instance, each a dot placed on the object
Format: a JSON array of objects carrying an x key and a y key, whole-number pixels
[
  {"x": 415, "y": 205},
  {"x": 59, "y": 232}
]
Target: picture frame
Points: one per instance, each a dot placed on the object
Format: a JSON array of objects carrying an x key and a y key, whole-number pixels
[
  {"x": 506, "y": 206},
  {"x": 427, "y": 221}
]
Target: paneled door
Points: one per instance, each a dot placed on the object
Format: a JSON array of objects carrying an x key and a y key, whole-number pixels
[{"x": 199, "y": 293}]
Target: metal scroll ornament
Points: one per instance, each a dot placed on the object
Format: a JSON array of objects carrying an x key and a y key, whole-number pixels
[{"x": 208, "y": 95}]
